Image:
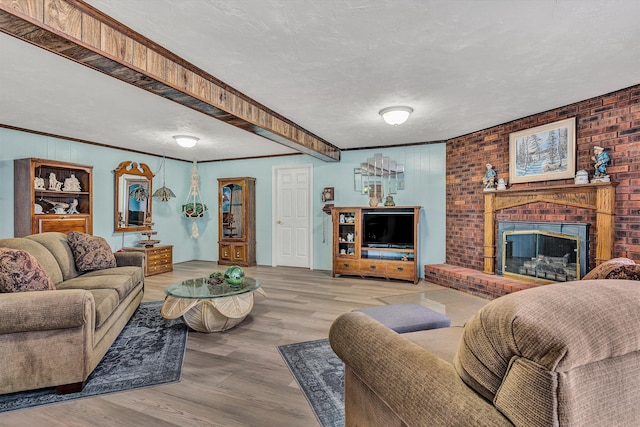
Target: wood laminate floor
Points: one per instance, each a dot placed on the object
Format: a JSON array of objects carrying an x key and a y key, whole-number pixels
[{"x": 237, "y": 377}]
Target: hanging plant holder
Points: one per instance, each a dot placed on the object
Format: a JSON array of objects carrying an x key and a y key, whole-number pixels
[{"x": 194, "y": 208}]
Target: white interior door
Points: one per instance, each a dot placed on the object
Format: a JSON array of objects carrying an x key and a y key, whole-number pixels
[{"x": 292, "y": 216}]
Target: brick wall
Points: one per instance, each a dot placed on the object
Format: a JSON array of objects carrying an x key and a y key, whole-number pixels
[{"x": 611, "y": 121}]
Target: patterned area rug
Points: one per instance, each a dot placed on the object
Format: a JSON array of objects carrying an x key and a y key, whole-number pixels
[
  {"x": 149, "y": 351},
  {"x": 320, "y": 375}
]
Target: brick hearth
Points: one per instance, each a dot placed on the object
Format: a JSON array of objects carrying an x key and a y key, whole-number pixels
[{"x": 473, "y": 281}]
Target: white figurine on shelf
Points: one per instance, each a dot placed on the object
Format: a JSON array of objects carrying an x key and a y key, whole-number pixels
[
  {"x": 38, "y": 183},
  {"x": 54, "y": 184},
  {"x": 71, "y": 184},
  {"x": 73, "y": 209}
]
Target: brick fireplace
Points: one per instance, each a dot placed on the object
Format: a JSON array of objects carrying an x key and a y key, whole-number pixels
[
  {"x": 610, "y": 120},
  {"x": 597, "y": 198}
]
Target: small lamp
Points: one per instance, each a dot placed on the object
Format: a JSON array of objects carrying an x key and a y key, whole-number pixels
[
  {"x": 186, "y": 141},
  {"x": 396, "y": 115}
]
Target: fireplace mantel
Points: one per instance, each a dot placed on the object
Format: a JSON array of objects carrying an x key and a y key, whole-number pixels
[{"x": 599, "y": 196}]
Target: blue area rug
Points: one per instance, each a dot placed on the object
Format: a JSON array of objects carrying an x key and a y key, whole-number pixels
[
  {"x": 320, "y": 375},
  {"x": 149, "y": 351}
]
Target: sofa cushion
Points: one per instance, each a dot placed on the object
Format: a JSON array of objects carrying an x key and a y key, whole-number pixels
[
  {"x": 106, "y": 302},
  {"x": 59, "y": 247},
  {"x": 90, "y": 252},
  {"x": 122, "y": 284},
  {"x": 136, "y": 273},
  {"x": 20, "y": 271},
  {"x": 41, "y": 253},
  {"x": 601, "y": 271}
]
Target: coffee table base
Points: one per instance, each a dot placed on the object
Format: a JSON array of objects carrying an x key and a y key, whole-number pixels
[{"x": 210, "y": 315}]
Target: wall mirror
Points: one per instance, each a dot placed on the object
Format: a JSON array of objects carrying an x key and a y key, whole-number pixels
[
  {"x": 379, "y": 176},
  {"x": 133, "y": 197}
]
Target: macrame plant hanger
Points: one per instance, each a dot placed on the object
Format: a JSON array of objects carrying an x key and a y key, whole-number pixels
[{"x": 194, "y": 208}]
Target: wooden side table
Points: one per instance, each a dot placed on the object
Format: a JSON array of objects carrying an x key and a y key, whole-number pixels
[{"x": 158, "y": 259}]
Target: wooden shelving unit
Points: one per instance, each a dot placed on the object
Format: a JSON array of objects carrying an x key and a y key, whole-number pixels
[
  {"x": 32, "y": 219},
  {"x": 351, "y": 257}
]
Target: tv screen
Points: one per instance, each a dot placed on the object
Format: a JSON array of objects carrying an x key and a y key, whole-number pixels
[{"x": 391, "y": 229}]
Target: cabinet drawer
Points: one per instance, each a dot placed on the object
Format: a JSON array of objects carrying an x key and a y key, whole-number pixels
[
  {"x": 373, "y": 267},
  {"x": 401, "y": 270},
  {"x": 62, "y": 224},
  {"x": 346, "y": 266}
]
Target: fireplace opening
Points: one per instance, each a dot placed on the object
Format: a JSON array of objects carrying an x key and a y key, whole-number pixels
[{"x": 542, "y": 252}]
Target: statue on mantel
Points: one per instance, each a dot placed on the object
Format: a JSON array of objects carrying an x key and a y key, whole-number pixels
[
  {"x": 489, "y": 179},
  {"x": 601, "y": 160}
]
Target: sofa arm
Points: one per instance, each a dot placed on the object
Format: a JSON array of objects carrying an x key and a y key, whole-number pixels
[
  {"x": 129, "y": 259},
  {"x": 45, "y": 310},
  {"x": 418, "y": 387}
]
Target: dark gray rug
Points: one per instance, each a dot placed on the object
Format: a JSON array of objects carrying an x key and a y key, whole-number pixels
[
  {"x": 149, "y": 351},
  {"x": 320, "y": 375}
]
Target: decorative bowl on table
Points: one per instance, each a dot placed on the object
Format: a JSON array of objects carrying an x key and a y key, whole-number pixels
[
  {"x": 234, "y": 276},
  {"x": 216, "y": 278}
]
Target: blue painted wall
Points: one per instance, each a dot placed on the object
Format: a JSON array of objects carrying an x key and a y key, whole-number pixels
[{"x": 424, "y": 186}]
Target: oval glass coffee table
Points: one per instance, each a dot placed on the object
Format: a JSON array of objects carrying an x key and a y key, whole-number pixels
[{"x": 210, "y": 308}]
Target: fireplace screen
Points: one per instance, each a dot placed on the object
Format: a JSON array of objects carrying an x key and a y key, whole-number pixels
[{"x": 544, "y": 256}]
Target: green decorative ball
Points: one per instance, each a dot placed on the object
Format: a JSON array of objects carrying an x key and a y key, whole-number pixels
[{"x": 234, "y": 276}]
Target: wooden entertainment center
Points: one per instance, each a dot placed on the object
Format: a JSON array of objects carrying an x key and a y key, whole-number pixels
[{"x": 358, "y": 252}]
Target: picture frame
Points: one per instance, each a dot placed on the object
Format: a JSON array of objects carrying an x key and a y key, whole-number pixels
[{"x": 543, "y": 153}]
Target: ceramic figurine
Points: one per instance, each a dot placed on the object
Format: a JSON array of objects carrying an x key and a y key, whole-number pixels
[
  {"x": 38, "y": 183},
  {"x": 582, "y": 177},
  {"x": 71, "y": 184},
  {"x": 601, "y": 161},
  {"x": 502, "y": 184},
  {"x": 341, "y": 218},
  {"x": 54, "y": 184},
  {"x": 389, "y": 201},
  {"x": 73, "y": 209},
  {"x": 489, "y": 179}
]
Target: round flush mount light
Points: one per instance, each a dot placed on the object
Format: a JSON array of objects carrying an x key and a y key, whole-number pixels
[
  {"x": 396, "y": 115},
  {"x": 186, "y": 141}
]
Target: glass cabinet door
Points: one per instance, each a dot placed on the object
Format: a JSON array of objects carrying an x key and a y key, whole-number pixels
[{"x": 232, "y": 211}]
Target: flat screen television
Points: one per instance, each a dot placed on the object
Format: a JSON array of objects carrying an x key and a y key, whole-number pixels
[{"x": 387, "y": 229}]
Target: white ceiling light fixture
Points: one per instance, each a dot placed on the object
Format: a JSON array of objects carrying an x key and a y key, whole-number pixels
[
  {"x": 186, "y": 141},
  {"x": 396, "y": 115}
]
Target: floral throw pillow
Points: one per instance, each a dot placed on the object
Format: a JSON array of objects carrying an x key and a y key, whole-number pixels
[
  {"x": 90, "y": 252},
  {"x": 601, "y": 271},
  {"x": 625, "y": 271},
  {"x": 20, "y": 271}
]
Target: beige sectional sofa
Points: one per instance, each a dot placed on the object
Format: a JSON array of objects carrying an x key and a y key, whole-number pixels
[
  {"x": 56, "y": 338},
  {"x": 566, "y": 354}
]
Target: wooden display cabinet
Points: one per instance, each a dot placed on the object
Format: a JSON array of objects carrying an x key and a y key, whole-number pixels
[
  {"x": 354, "y": 254},
  {"x": 158, "y": 259},
  {"x": 44, "y": 206},
  {"x": 237, "y": 221}
]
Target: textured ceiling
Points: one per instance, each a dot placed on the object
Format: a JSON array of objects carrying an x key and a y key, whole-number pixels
[{"x": 331, "y": 65}]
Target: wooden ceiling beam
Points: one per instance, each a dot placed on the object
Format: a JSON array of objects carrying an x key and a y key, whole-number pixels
[{"x": 81, "y": 33}]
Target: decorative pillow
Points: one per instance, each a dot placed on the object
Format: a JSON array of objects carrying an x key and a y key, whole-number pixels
[
  {"x": 601, "y": 271},
  {"x": 627, "y": 272},
  {"x": 90, "y": 252},
  {"x": 20, "y": 271}
]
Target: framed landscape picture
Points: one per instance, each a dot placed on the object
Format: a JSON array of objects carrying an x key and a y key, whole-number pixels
[{"x": 543, "y": 153}]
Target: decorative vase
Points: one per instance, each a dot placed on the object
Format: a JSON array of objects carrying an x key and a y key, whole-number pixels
[
  {"x": 234, "y": 276},
  {"x": 389, "y": 201},
  {"x": 373, "y": 202}
]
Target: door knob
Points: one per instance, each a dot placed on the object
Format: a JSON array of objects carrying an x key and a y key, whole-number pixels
[{"x": 279, "y": 222}]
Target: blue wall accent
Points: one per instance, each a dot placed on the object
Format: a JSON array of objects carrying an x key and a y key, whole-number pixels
[{"x": 424, "y": 186}]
